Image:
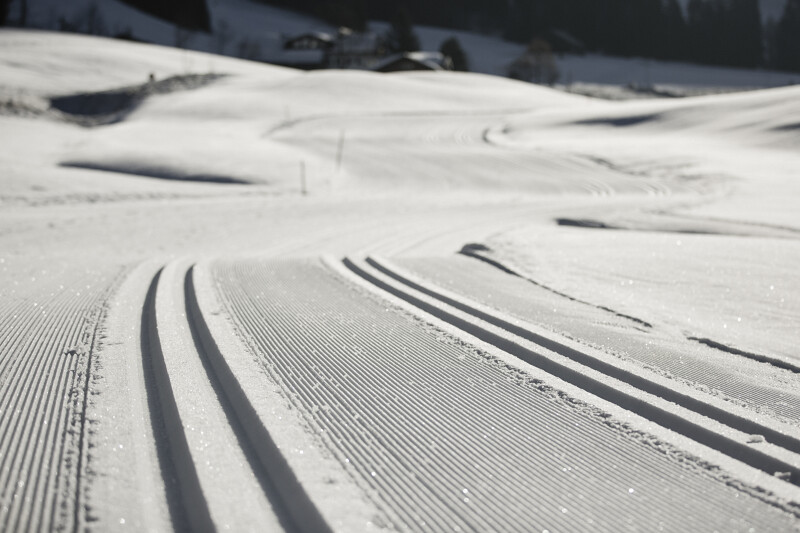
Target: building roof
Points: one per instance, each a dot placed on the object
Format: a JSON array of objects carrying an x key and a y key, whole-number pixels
[
  {"x": 325, "y": 40},
  {"x": 412, "y": 61}
]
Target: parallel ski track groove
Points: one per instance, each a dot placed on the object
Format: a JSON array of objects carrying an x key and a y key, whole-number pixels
[
  {"x": 186, "y": 502},
  {"x": 740, "y": 451},
  {"x": 288, "y": 333},
  {"x": 522, "y": 302},
  {"x": 308, "y": 335},
  {"x": 297, "y": 511},
  {"x": 43, "y": 365},
  {"x": 39, "y": 367}
]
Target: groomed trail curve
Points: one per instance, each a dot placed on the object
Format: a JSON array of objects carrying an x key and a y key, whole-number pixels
[
  {"x": 526, "y": 300},
  {"x": 312, "y": 395},
  {"x": 281, "y": 335},
  {"x": 440, "y": 435}
]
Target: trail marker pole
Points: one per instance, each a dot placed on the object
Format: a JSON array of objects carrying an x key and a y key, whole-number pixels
[
  {"x": 340, "y": 152},
  {"x": 303, "y": 189}
]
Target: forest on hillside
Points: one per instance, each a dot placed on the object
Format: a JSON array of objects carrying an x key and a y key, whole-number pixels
[{"x": 715, "y": 32}]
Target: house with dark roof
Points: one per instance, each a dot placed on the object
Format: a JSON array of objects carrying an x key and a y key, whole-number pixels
[
  {"x": 353, "y": 50},
  {"x": 359, "y": 50},
  {"x": 410, "y": 61},
  {"x": 309, "y": 41}
]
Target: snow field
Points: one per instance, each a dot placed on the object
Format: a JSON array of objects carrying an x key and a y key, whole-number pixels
[
  {"x": 48, "y": 358},
  {"x": 445, "y": 439},
  {"x": 757, "y": 271},
  {"x": 263, "y": 387},
  {"x": 767, "y": 390},
  {"x": 703, "y": 419}
]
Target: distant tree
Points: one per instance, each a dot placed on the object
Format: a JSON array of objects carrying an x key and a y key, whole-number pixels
[
  {"x": 347, "y": 13},
  {"x": 646, "y": 30},
  {"x": 188, "y": 14},
  {"x": 673, "y": 34},
  {"x": 401, "y": 37},
  {"x": 787, "y": 38},
  {"x": 222, "y": 36},
  {"x": 770, "y": 42},
  {"x": 486, "y": 16},
  {"x": 249, "y": 49},
  {"x": 536, "y": 65},
  {"x": 726, "y": 32},
  {"x": 4, "y": 11},
  {"x": 528, "y": 19},
  {"x": 743, "y": 34},
  {"x": 705, "y": 25},
  {"x": 93, "y": 18},
  {"x": 452, "y": 48},
  {"x": 182, "y": 36},
  {"x": 517, "y": 27}
]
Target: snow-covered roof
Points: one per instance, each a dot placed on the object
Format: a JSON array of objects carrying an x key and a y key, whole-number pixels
[
  {"x": 319, "y": 36},
  {"x": 426, "y": 60}
]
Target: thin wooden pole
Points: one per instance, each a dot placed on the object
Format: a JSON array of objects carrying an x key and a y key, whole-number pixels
[{"x": 340, "y": 152}]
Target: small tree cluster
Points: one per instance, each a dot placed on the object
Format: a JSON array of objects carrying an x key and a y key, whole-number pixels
[
  {"x": 4, "y": 4},
  {"x": 451, "y": 49},
  {"x": 786, "y": 39},
  {"x": 189, "y": 14},
  {"x": 536, "y": 65},
  {"x": 720, "y": 32},
  {"x": 347, "y": 13},
  {"x": 401, "y": 36},
  {"x": 249, "y": 49}
]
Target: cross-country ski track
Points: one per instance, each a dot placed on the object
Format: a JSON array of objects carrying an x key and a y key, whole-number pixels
[
  {"x": 402, "y": 394},
  {"x": 261, "y": 299},
  {"x": 47, "y": 360}
]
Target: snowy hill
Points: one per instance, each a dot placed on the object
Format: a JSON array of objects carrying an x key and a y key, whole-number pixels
[
  {"x": 235, "y": 296},
  {"x": 256, "y": 31}
]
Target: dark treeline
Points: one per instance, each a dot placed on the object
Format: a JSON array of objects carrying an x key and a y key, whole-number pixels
[
  {"x": 716, "y": 32},
  {"x": 189, "y": 14}
]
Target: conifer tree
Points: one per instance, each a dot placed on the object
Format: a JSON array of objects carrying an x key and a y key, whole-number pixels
[
  {"x": 401, "y": 35},
  {"x": 4, "y": 11},
  {"x": 673, "y": 35},
  {"x": 787, "y": 38},
  {"x": 452, "y": 48}
]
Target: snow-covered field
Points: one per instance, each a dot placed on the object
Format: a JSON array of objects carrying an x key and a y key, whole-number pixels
[
  {"x": 258, "y": 30},
  {"x": 250, "y": 298}
]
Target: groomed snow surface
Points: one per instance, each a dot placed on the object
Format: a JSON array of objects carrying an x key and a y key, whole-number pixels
[{"x": 241, "y": 297}]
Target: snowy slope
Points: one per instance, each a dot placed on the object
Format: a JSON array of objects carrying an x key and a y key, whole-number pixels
[
  {"x": 232, "y": 299},
  {"x": 257, "y": 30}
]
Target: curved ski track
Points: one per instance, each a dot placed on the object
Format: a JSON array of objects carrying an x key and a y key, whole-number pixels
[
  {"x": 532, "y": 303},
  {"x": 229, "y": 474},
  {"x": 592, "y": 375},
  {"x": 430, "y": 432},
  {"x": 442, "y": 436},
  {"x": 462, "y": 138}
]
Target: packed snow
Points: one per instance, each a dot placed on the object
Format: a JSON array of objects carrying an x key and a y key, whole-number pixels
[{"x": 164, "y": 296}]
